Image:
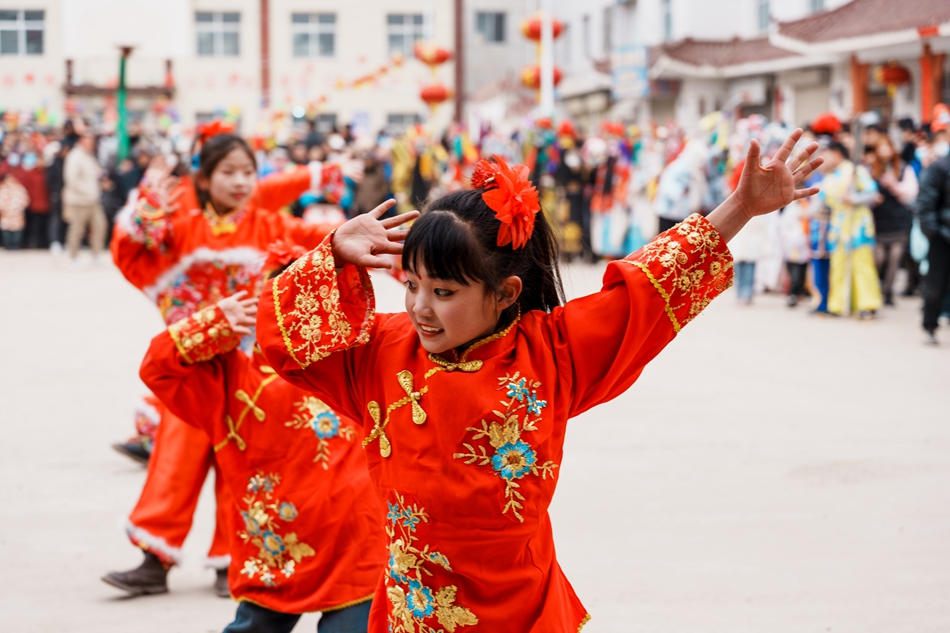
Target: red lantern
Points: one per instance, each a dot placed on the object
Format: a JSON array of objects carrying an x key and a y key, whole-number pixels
[
  {"x": 434, "y": 94},
  {"x": 531, "y": 76},
  {"x": 891, "y": 75},
  {"x": 531, "y": 27},
  {"x": 431, "y": 54}
]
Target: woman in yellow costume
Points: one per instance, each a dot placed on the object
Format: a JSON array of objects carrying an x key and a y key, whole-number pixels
[{"x": 847, "y": 190}]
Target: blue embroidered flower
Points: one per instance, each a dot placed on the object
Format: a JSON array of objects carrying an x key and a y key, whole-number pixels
[
  {"x": 394, "y": 571},
  {"x": 394, "y": 514},
  {"x": 258, "y": 483},
  {"x": 273, "y": 543},
  {"x": 287, "y": 511},
  {"x": 518, "y": 390},
  {"x": 250, "y": 524},
  {"x": 535, "y": 405},
  {"x": 409, "y": 520},
  {"x": 419, "y": 600},
  {"x": 513, "y": 461},
  {"x": 326, "y": 425},
  {"x": 439, "y": 559}
]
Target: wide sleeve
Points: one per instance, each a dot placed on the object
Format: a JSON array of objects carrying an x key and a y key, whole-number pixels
[
  {"x": 308, "y": 235},
  {"x": 602, "y": 342},
  {"x": 279, "y": 190},
  {"x": 142, "y": 239},
  {"x": 313, "y": 325},
  {"x": 184, "y": 369}
]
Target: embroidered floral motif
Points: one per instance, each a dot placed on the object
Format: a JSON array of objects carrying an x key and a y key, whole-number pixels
[
  {"x": 313, "y": 414},
  {"x": 689, "y": 266},
  {"x": 204, "y": 283},
  {"x": 413, "y": 603},
  {"x": 277, "y": 554},
  {"x": 318, "y": 324},
  {"x": 203, "y": 335},
  {"x": 149, "y": 224},
  {"x": 513, "y": 458}
]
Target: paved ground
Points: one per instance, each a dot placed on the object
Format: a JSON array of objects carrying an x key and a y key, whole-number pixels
[{"x": 771, "y": 471}]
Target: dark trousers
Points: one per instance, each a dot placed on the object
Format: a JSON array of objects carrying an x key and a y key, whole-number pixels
[
  {"x": 37, "y": 229},
  {"x": 937, "y": 282},
  {"x": 252, "y": 618},
  {"x": 796, "y": 278},
  {"x": 57, "y": 228},
  {"x": 12, "y": 240},
  {"x": 821, "y": 269},
  {"x": 666, "y": 225}
]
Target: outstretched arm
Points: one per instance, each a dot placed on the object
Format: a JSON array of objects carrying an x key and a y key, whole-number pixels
[{"x": 766, "y": 188}]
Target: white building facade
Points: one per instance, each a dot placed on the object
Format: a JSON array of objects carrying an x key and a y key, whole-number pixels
[{"x": 250, "y": 60}]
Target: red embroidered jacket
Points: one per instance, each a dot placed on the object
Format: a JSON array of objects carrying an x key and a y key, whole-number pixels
[
  {"x": 465, "y": 449},
  {"x": 306, "y": 522},
  {"x": 191, "y": 258}
]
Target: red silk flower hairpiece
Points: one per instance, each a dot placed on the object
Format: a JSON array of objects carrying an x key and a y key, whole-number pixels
[
  {"x": 509, "y": 193},
  {"x": 282, "y": 253},
  {"x": 207, "y": 130}
]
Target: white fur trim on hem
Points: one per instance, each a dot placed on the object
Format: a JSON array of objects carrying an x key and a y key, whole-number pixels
[
  {"x": 245, "y": 255},
  {"x": 218, "y": 562},
  {"x": 155, "y": 544}
]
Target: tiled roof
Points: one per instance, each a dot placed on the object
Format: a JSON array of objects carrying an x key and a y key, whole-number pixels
[
  {"x": 867, "y": 17},
  {"x": 720, "y": 53}
]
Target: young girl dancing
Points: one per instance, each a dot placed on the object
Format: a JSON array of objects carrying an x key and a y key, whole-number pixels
[
  {"x": 464, "y": 398},
  {"x": 304, "y": 533},
  {"x": 186, "y": 250}
]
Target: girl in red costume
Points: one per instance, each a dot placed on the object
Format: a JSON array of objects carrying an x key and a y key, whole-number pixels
[
  {"x": 185, "y": 257},
  {"x": 464, "y": 399},
  {"x": 305, "y": 530}
]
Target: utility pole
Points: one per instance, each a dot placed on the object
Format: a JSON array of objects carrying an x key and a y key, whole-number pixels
[
  {"x": 265, "y": 54},
  {"x": 459, "y": 60},
  {"x": 122, "y": 131},
  {"x": 547, "y": 59}
]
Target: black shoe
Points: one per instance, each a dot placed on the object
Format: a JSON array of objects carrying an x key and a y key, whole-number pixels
[
  {"x": 221, "y": 583},
  {"x": 148, "y": 578},
  {"x": 134, "y": 450},
  {"x": 888, "y": 298},
  {"x": 792, "y": 301},
  {"x": 930, "y": 337}
]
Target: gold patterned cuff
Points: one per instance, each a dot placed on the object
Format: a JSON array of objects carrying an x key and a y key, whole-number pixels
[
  {"x": 203, "y": 335},
  {"x": 689, "y": 266},
  {"x": 320, "y": 310}
]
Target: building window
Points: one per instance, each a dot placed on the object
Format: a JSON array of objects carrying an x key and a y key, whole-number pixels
[
  {"x": 314, "y": 34},
  {"x": 491, "y": 26},
  {"x": 763, "y": 15},
  {"x": 21, "y": 32},
  {"x": 403, "y": 29},
  {"x": 817, "y": 5},
  {"x": 398, "y": 122},
  {"x": 325, "y": 123},
  {"x": 218, "y": 34},
  {"x": 667, "y": 20}
]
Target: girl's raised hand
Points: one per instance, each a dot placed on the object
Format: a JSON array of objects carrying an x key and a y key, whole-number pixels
[
  {"x": 240, "y": 312},
  {"x": 159, "y": 177},
  {"x": 766, "y": 188},
  {"x": 363, "y": 239}
]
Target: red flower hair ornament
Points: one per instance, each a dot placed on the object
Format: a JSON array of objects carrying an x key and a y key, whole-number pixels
[
  {"x": 281, "y": 254},
  {"x": 509, "y": 193},
  {"x": 207, "y": 130}
]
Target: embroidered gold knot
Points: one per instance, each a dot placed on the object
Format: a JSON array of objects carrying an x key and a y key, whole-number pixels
[
  {"x": 385, "y": 447},
  {"x": 405, "y": 381},
  {"x": 467, "y": 366},
  {"x": 245, "y": 399},
  {"x": 232, "y": 435}
]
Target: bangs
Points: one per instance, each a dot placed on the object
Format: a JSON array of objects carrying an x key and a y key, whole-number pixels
[{"x": 444, "y": 245}]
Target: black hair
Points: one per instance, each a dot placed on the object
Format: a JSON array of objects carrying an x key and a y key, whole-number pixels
[
  {"x": 907, "y": 124},
  {"x": 213, "y": 152},
  {"x": 837, "y": 146},
  {"x": 456, "y": 240},
  {"x": 876, "y": 127}
]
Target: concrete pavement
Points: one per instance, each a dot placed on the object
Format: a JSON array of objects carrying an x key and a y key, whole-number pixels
[{"x": 771, "y": 471}]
